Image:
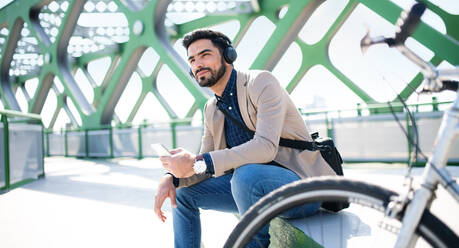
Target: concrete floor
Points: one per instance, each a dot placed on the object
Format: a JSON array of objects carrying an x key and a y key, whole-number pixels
[
  {"x": 95, "y": 203},
  {"x": 109, "y": 203}
]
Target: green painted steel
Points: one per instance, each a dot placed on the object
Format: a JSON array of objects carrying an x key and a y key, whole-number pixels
[
  {"x": 111, "y": 142},
  {"x": 139, "y": 142},
  {"x": 6, "y": 150},
  {"x": 358, "y": 110},
  {"x": 320, "y": 56},
  {"x": 86, "y": 141},
  {"x": 50, "y": 33},
  {"x": 47, "y": 143},
  {"x": 4, "y": 115},
  {"x": 409, "y": 132},
  {"x": 66, "y": 146}
]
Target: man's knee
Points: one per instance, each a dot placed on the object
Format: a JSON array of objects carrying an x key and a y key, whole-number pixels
[
  {"x": 246, "y": 177},
  {"x": 245, "y": 174}
]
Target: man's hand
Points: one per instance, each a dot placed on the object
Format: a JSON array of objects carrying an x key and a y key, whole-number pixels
[
  {"x": 165, "y": 189},
  {"x": 180, "y": 163}
]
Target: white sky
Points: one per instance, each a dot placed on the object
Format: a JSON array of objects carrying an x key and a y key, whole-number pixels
[{"x": 3, "y": 3}]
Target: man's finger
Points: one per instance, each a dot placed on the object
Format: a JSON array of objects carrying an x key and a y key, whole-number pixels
[
  {"x": 191, "y": 173},
  {"x": 157, "y": 208},
  {"x": 175, "y": 151},
  {"x": 161, "y": 216},
  {"x": 159, "y": 200},
  {"x": 168, "y": 168},
  {"x": 164, "y": 159}
]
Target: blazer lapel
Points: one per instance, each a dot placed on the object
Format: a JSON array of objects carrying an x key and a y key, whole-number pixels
[
  {"x": 218, "y": 121},
  {"x": 242, "y": 98}
]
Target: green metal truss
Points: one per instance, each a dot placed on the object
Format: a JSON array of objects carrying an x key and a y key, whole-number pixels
[{"x": 35, "y": 42}]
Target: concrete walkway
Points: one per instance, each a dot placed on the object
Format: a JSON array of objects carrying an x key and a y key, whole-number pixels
[
  {"x": 95, "y": 203},
  {"x": 109, "y": 203}
]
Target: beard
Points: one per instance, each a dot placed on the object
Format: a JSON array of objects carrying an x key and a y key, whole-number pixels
[{"x": 214, "y": 77}]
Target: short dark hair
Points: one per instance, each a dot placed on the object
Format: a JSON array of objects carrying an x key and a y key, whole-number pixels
[{"x": 218, "y": 39}]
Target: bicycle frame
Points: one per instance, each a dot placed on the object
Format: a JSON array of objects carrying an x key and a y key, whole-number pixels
[
  {"x": 430, "y": 72},
  {"x": 435, "y": 171}
]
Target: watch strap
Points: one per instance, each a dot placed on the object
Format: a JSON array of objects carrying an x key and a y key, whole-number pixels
[{"x": 199, "y": 157}]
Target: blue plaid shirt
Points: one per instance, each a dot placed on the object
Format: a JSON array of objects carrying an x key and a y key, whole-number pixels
[{"x": 234, "y": 134}]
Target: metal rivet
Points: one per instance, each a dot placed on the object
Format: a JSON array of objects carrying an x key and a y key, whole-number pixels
[
  {"x": 137, "y": 28},
  {"x": 47, "y": 58}
]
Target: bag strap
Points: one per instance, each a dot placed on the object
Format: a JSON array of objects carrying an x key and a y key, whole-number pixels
[
  {"x": 295, "y": 144},
  {"x": 233, "y": 119}
]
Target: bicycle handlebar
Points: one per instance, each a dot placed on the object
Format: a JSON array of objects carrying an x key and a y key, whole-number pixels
[
  {"x": 450, "y": 85},
  {"x": 408, "y": 22}
]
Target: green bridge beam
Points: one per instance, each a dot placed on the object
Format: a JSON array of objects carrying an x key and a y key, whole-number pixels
[{"x": 50, "y": 32}]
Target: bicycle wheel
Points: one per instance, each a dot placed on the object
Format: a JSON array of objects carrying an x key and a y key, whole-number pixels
[{"x": 363, "y": 224}]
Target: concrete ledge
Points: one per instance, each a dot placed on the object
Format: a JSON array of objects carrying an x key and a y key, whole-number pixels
[{"x": 324, "y": 229}]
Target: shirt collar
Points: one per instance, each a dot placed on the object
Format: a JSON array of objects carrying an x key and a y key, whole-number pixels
[{"x": 230, "y": 88}]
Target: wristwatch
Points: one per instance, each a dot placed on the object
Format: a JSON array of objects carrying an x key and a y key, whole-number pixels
[{"x": 199, "y": 166}]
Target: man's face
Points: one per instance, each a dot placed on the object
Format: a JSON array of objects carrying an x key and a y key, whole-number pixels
[{"x": 206, "y": 62}]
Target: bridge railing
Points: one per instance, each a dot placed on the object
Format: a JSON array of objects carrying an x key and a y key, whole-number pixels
[
  {"x": 21, "y": 148},
  {"x": 359, "y": 135},
  {"x": 378, "y": 137},
  {"x": 124, "y": 141}
]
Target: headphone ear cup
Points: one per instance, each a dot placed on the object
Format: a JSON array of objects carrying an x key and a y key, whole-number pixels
[{"x": 230, "y": 54}]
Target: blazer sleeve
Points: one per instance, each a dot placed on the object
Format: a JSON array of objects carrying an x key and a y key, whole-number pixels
[
  {"x": 207, "y": 145},
  {"x": 269, "y": 99}
]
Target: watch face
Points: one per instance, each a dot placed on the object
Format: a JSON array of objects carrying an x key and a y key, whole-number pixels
[{"x": 199, "y": 167}]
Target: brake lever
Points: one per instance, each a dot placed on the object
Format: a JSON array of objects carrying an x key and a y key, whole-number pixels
[{"x": 368, "y": 41}]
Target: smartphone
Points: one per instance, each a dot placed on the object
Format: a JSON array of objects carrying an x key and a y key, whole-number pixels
[{"x": 160, "y": 149}]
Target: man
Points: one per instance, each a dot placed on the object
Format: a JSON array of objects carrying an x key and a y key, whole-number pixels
[{"x": 235, "y": 167}]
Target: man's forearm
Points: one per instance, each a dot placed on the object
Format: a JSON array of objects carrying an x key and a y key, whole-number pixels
[{"x": 175, "y": 180}]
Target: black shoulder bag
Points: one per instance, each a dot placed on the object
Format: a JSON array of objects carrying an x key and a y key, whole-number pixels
[{"x": 324, "y": 145}]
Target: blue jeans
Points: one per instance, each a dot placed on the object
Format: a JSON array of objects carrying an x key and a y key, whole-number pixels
[{"x": 231, "y": 193}]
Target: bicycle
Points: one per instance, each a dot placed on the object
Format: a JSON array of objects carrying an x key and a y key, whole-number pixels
[{"x": 404, "y": 218}]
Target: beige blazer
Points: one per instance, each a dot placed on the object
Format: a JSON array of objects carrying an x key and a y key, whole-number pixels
[{"x": 267, "y": 109}]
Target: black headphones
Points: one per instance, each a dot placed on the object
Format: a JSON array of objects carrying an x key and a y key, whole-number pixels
[{"x": 229, "y": 54}]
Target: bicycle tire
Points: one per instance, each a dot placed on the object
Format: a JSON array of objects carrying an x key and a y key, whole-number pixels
[{"x": 431, "y": 229}]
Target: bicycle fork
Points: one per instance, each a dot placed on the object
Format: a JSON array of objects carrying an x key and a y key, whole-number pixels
[{"x": 435, "y": 172}]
